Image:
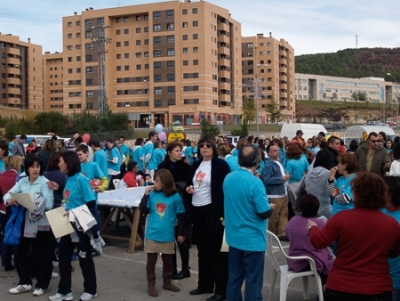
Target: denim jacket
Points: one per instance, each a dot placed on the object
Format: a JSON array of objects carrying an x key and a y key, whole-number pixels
[{"x": 272, "y": 178}]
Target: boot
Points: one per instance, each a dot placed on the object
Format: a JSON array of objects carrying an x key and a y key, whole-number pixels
[
  {"x": 184, "y": 273},
  {"x": 151, "y": 275},
  {"x": 167, "y": 274}
]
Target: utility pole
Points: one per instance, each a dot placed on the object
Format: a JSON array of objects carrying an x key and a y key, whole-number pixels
[{"x": 101, "y": 42}]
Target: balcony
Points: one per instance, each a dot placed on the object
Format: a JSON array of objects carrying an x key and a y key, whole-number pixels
[
  {"x": 224, "y": 62},
  {"x": 224, "y": 86},
  {"x": 223, "y": 26},
  {"x": 13, "y": 101},
  {"x": 14, "y": 91},
  {"x": 13, "y": 61},
  {"x": 223, "y": 38},
  {"x": 224, "y": 50},
  {"x": 283, "y": 53},
  {"x": 283, "y": 94},
  {"x": 224, "y": 98},
  {"x": 14, "y": 51},
  {"x": 283, "y": 61},
  {"x": 283, "y": 78},
  {"x": 13, "y": 70},
  {"x": 283, "y": 86},
  {"x": 283, "y": 69},
  {"x": 224, "y": 74},
  {"x": 13, "y": 81},
  {"x": 283, "y": 103}
]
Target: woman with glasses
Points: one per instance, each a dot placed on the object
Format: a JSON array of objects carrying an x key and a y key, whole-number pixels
[{"x": 205, "y": 181}]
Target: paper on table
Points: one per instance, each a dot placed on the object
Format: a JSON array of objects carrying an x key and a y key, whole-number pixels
[
  {"x": 24, "y": 199},
  {"x": 59, "y": 223}
]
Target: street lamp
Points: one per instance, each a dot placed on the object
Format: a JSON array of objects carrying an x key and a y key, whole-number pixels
[
  {"x": 149, "y": 115},
  {"x": 258, "y": 66},
  {"x": 397, "y": 95}
]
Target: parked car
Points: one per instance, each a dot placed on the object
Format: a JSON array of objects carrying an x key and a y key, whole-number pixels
[
  {"x": 375, "y": 122},
  {"x": 176, "y": 126}
]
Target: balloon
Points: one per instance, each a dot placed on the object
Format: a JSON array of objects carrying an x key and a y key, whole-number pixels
[
  {"x": 162, "y": 136},
  {"x": 159, "y": 128}
]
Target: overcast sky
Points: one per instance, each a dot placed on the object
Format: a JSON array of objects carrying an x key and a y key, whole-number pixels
[{"x": 310, "y": 26}]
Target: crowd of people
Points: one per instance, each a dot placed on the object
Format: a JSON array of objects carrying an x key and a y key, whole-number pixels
[{"x": 331, "y": 202}]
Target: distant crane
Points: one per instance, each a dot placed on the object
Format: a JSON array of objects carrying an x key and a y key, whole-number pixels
[{"x": 356, "y": 41}]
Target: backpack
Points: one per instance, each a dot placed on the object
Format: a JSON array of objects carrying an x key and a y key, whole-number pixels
[{"x": 13, "y": 229}]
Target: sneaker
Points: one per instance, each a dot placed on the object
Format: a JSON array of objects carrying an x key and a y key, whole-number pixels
[
  {"x": 61, "y": 297},
  {"x": 22, "y": 288},
  {"x": 86, "y": 296},
  {"x": 54, "y": 275},
  {"x": 38, "y": 292}
]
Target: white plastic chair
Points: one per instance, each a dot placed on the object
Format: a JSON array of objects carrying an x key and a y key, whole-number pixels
[
  {"x": 116, "y": 183},
  {"x": 288, "y": 276}
]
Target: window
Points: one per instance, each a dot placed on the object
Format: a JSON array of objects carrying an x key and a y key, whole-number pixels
[
  {"x": 138, "y": 54},
  {"x": 195, "y": 49},
  {"x": 138, "y": 29},
  {"x": 196, "y": 101},
  {"x": 157, "y": 103},
  {"x": 185, "y": 37},
  {"x": 126, "y": 43},
  {"x": 170, "y": 39},
  {"x": 156, "y": 27},
  {"x": 118, "y": 20},
  {"x": 126, "y": 67},
  {"x": 78, "y": 47},
  {"x": 157, "y": 77},
  {"x": 100, "y": 21},
  {"x": 89, "y": 94},
  {"x": 118, "y": 68},
  {"x": 195, "y": 75},
  {"x": 118, "y": 56},
  {"x": 186, "y": 88},
  {"x": 171, "y": 77},
  {"x": 186, "y": 101},
  {"x": 78, "y": 58},
  {"x": 170, "y": 26},
  {"x": 70, "y": 94},
  {"x": 195, "y": 88},
  {"x": 146, "y": 29},
  {"x": 156, "y": 15},
  {"x": 88, "y": 23},
  {"x": 78, "y": 23},
  {"x": 194, "y": 10},
  {"x": 89, "y": 82},
  {"x": 78, "y": 35},
  {"x": 185, "y": 63},
  {"x": 69, "y": 47},
  {"x": 137, "y": 18},
  {"x": 170, "y": 51},
  {"x": 69, "y": 24},
  {"x": 89, "y": 70},
  {"x": 184, "y": 24},
  {"x": 138, "y": 67},
  {"x": 157, "y": 65},
  {"x": 184, "y": 11},
  {"x": 69, "y": 70},
  {"x": 185, "y": 50},
  {"x": 78, "y": 70},
  {"x": 69, "y": 36},
  {"x": 118, "y": 44},
  {"x": 170, "y": 64},
  {"x": 118, "y": 32},
  {"x": 146, "y": 54},
  {"x": 170, "y": 13},
  {"x": 126, "y": 19},
  {"x": 195, "y": 62},
  {"x": 171, "y": 90},
  {"x": 195, "y": 36},
  {"x": 88, "y": 34},
  {"x": 249, "y": 45},
  {"x": 126, "y": 30},
  {"x": 157, "y": 52},
  {"x": 126, "y": 55},
  {"x": 70, "y": 59},
  {"x": 195, "y": 23},
  {"x": 146, "y": 66},
  {"x": 157, "y": 40},
  {"x": 171, "y": 102},
  {"x": 146, "y": 41},
  {"x": 158, "y": 90},
  {"x": 185, "y": 75}
]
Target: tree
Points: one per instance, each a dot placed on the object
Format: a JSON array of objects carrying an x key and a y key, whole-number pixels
[
  {"x": 359, "y": 96},
  {"x": 273, "y": 109},
  {"x": 208, "y": 129},
  {"x": 249, "y": 110}
]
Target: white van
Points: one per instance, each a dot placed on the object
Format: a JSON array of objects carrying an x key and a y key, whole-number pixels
[
  {"x": 309, "y": 130},
  {"x": 361, "y": 132}
]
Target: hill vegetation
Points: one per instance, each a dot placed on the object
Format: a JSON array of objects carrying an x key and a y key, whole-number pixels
[{"x": 354, "y": 63}]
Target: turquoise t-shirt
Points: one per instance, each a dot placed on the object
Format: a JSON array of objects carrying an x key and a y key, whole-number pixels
[
  {"x": 100, "y": 158},
  {"x": 77, "y": 191},
  {"x": 111, "y": 154},
  {"x": 2, "y": 166},
  {"x": 394, "y": 263},
  {"x": 344, "y": 186},
  {"x": 156, "y": 159},
  {"x": 296, "y": 168},
  {"x": 162, "y": 217},
  {"x": 137, "y": 156},
  {"x": 232, "y": 162}
]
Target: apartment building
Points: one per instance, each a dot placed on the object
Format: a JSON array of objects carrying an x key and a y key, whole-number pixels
[
  {"x": 268, "y": 75},
  {"x": 333, "y": 88},
  {"x": 53, "y": 81},
  {"x": 162, "y": 62},
  {"x": 21, "y": 82}
]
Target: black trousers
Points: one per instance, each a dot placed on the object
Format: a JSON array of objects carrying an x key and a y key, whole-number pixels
[
  {"x": 213, "y": 264},
  {"x": 85, "y": 262},
  {"x": 34, "y": 258}
]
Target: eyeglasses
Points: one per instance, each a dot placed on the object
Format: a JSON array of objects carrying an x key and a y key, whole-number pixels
[
  {"x": 207, "y": 145},
  {"x": 375, "y": 141}
]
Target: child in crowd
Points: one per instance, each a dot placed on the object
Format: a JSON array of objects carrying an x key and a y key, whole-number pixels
[
  {"x": 164, "y": 205},
  {"x": 148, "y": 180}
]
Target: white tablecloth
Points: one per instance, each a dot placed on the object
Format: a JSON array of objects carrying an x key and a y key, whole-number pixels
[{"x": 122, "y": 198}]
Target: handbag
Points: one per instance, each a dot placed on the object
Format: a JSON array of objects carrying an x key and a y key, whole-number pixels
[{"x": 13, "y": 228}]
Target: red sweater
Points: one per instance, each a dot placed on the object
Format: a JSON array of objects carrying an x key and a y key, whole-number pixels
[
  {"x": 130, "y": 179},
  {"x": 366, "y": 238},
  {"x": 7, "y": 181}
]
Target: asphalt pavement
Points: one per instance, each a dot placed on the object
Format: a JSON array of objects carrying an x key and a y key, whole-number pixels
[{"x": 122, "y": 277}]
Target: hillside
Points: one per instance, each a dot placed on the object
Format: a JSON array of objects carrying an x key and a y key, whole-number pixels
[{"x": 355, "y": 63}]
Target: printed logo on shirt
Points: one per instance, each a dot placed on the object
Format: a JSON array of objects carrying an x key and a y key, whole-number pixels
[
  {"x": 160, "y": 207},
  {"x": 200, "y": 177},
  {"x": 66, "y": 196}
]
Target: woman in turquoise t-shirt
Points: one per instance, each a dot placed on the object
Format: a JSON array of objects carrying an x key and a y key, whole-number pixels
[{"x": 164, "y": 205}]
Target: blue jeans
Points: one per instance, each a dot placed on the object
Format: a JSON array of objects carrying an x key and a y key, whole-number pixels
[{"x": 249, "y": 266}]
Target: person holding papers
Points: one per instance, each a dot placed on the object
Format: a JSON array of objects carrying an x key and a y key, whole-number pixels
[
  {"x": 77, "y": 192},
  {"x": 34, "y": 252}
]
